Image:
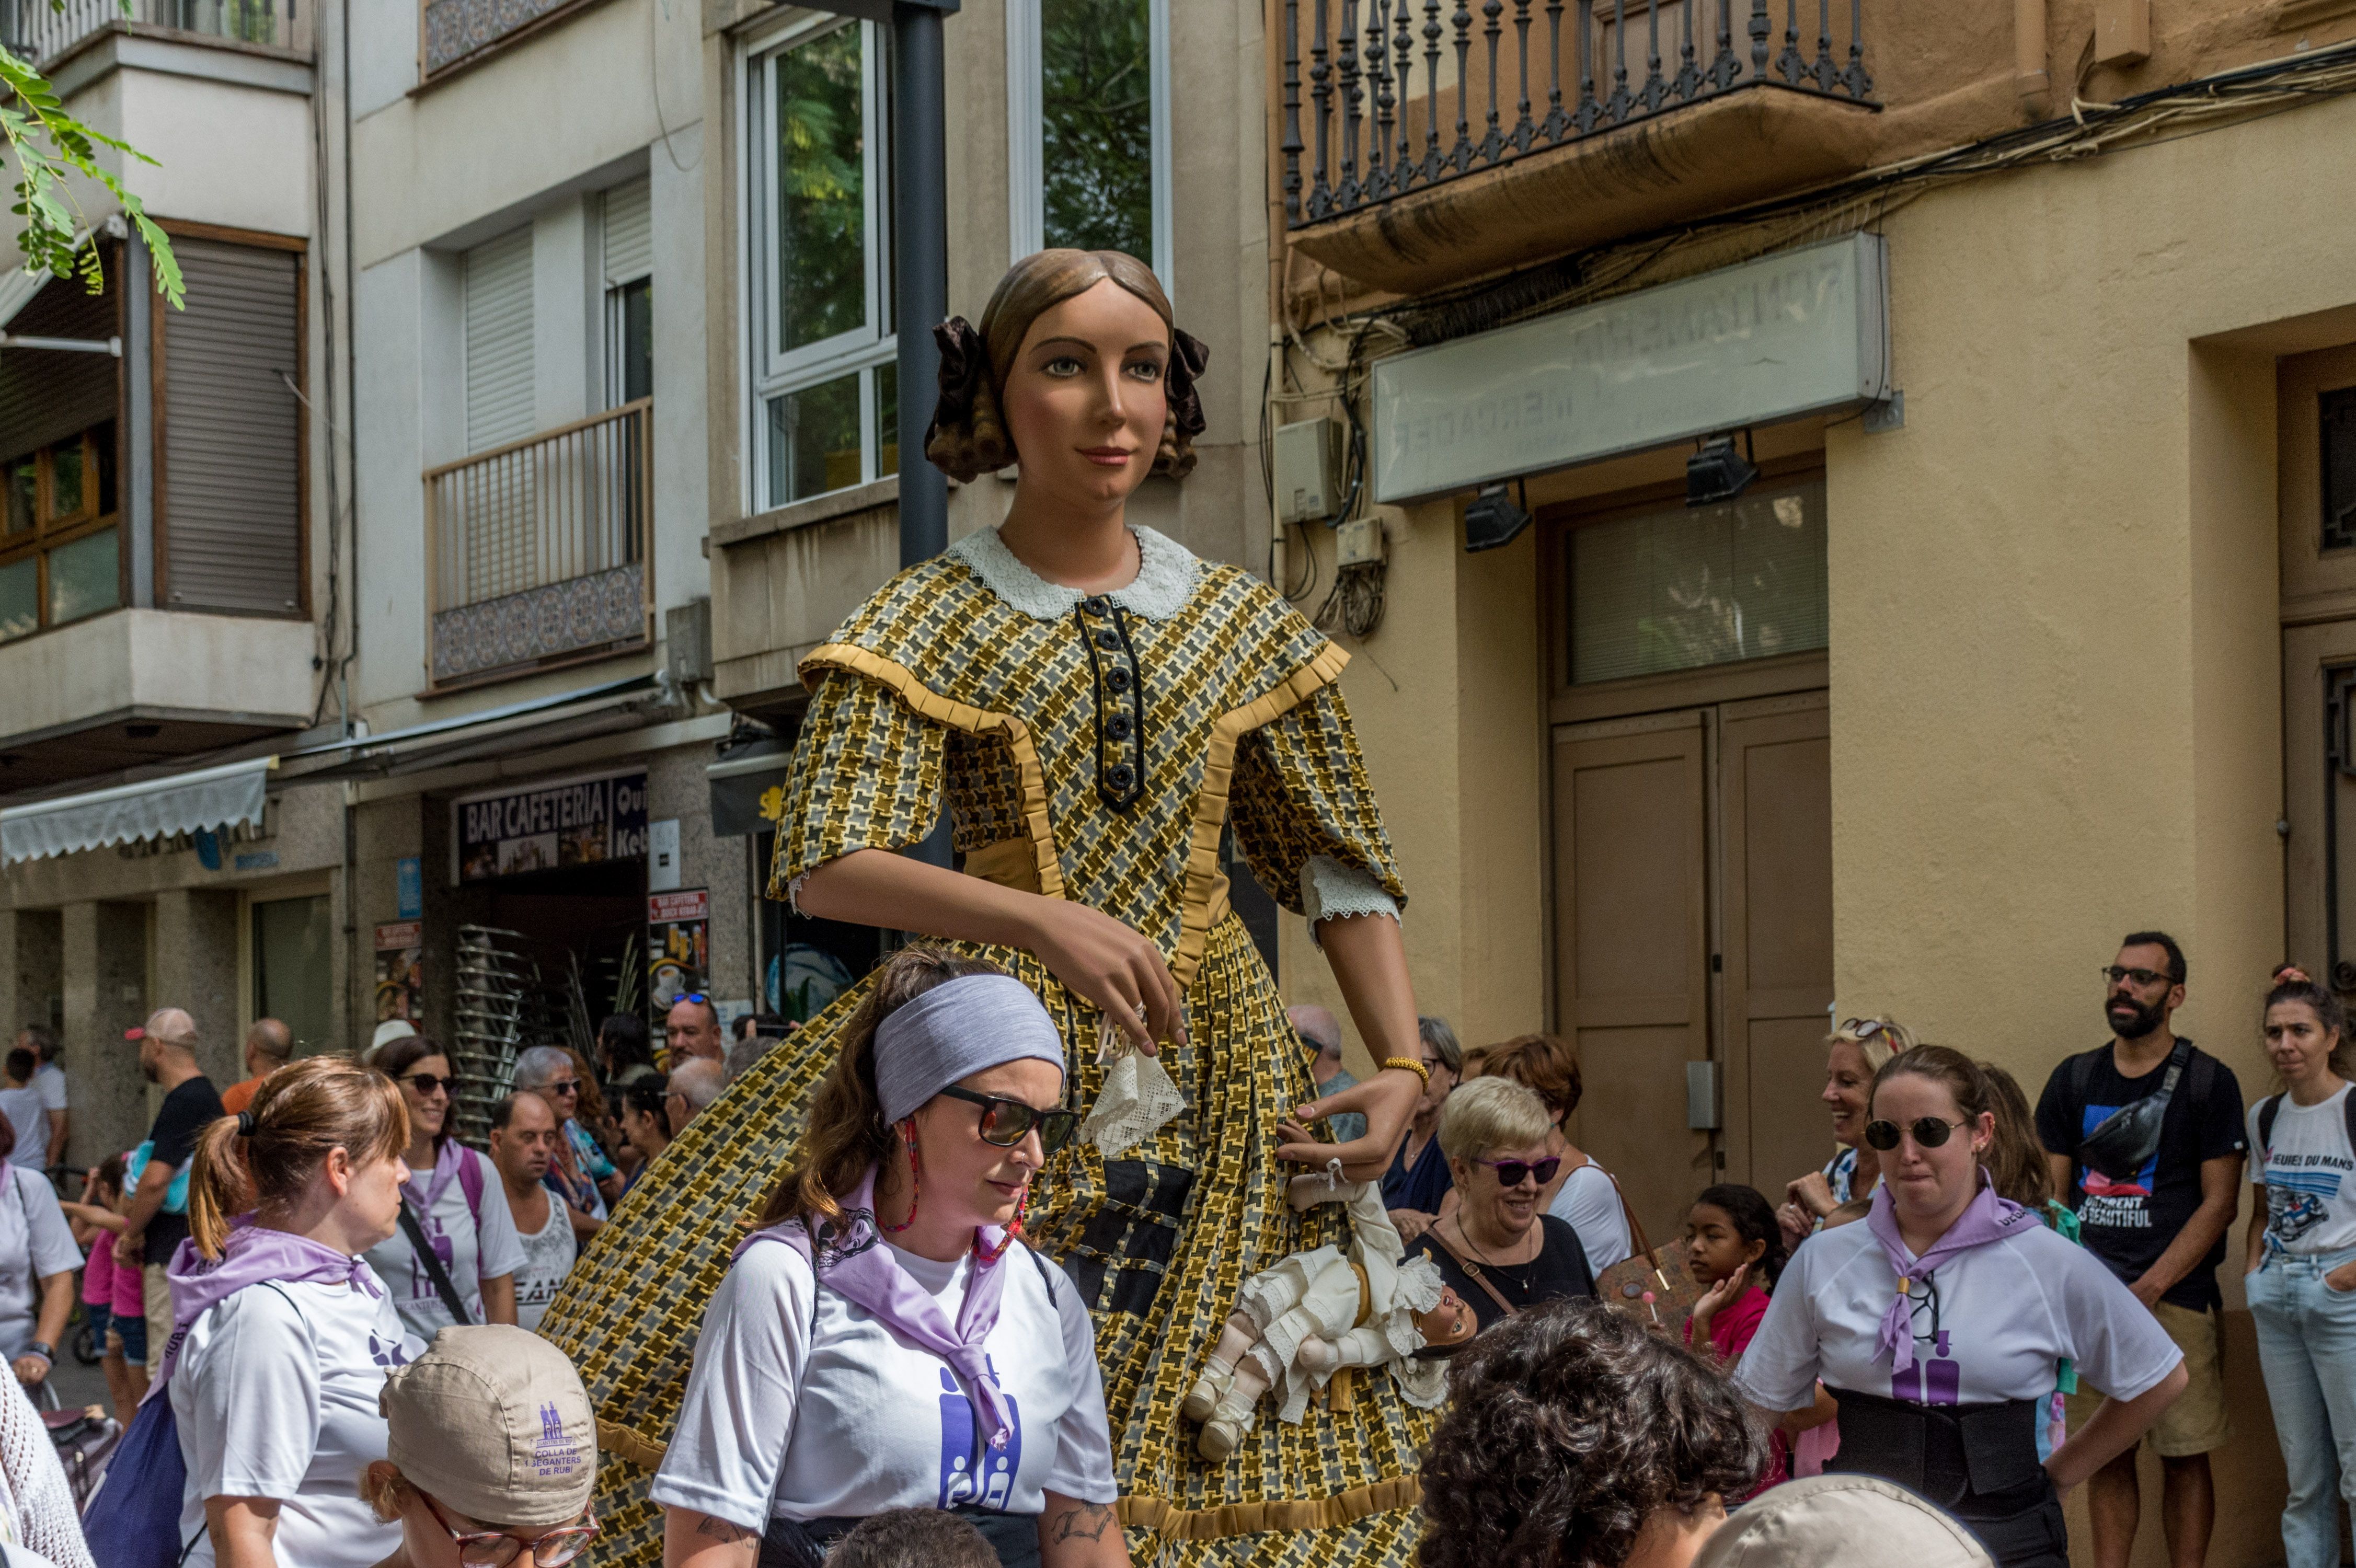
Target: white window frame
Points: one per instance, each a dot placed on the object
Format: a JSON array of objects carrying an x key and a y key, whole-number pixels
[
  {"x": 773, "y": 371},
  {"x": 1026, "y": 157}
]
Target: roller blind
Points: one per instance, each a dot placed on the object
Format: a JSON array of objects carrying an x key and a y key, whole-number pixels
[
  {"x": 46, "y": 395},
  {"x": 1684, "y": 588},
  {"x": 500, "y": 388},
  {"x": 629, "y": 233},
  {"x": 229, "y": 494}
]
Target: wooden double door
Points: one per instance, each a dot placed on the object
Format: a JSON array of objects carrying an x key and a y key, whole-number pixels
[{"x": 1693, "y": 923}]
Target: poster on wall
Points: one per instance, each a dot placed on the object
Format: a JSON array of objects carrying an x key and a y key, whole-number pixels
[
  {"x": 679, "y": 945},
  {"x": 570, "y": 822},
  {"x": 400, "y": 971}
]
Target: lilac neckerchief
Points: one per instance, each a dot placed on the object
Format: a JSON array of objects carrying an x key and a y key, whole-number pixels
[
  {"x": 1988, "y": 1218},
  {"x": 856, "y": 1261},
  {"x": 445, "y": 1169},
  {"x": 253, "y": 1254}
]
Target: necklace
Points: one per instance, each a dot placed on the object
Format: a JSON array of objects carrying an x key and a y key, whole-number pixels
[{"x": 1523, "y": 1284}]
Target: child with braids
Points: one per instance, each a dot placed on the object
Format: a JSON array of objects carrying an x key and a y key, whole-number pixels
[{"x": 1735, "y": 1248}]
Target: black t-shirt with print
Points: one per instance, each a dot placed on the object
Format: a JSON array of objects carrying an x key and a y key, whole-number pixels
[
  {"x": 2129, "y": 1223},
  {"x": 186, "y": 1111},
  {"x": 1560, "y": 1269}
]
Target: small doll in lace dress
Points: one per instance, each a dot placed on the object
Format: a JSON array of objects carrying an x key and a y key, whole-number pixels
[{"x": 1302, "y": 1326}]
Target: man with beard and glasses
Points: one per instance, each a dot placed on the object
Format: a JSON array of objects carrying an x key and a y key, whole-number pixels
[{"x": 2145, "y": 1137}]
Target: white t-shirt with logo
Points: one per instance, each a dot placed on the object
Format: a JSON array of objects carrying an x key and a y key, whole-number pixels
[
  {"x": 548, "y": 1254},
  {"x": 1988, "y": 1325},
  {"x": 802, "y": 1405},
  {"x": 2310, "y": 1202},
  {"x": 468, "y": 1257},
  {"x": 1590, "y": 1204},
  {"x": 276, "y": 1395}
]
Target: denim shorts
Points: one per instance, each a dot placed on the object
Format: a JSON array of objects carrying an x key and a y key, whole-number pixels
[{"x": 127, "y": 1334}]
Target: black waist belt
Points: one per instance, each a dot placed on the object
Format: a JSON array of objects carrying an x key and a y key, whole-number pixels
[{"x": 1977, "y": 1461}]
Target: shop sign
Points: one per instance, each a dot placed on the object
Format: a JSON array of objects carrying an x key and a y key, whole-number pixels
[
  {"x": 574, "y": 822},
  {"x": 400, "y": 971},
  {"x": 1796, "y": 333},
  {"x": 679, "y": 945},
  {"x": 409, "y": 884}
]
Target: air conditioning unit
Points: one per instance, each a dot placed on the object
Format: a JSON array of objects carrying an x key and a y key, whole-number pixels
[{"x": 1307, "y": 461}]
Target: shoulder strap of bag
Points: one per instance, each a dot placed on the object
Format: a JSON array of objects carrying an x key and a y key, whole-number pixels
[
  {"x": 1472, "y": 1271},
  {"x": 470, "y": 1182},
  {"x": 1636, "y": 1226},
  {"x": 2268, "y": 1109},
  {"x": 433, "y": 1264}
]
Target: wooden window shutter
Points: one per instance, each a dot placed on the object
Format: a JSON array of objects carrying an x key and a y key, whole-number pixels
[
  {"x": 229, "y": 489},
  {"x": 500, "y": 394}
]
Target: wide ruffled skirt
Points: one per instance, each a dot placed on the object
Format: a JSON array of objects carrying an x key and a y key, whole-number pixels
[{"x": 1159, "y": 1241}]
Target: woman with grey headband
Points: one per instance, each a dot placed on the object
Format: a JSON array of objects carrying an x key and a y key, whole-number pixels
[{"x": 887, "y": 1339}]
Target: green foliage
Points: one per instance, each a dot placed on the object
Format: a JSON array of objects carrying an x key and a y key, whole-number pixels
[
  {"x": 821, "y": 190},
  {"x": 1096, "y": 102},
  {"x": 49, "y": 144}
]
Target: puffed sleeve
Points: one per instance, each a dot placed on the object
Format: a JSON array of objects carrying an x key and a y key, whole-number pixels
[
  {"x": 867, "y": 774},
  {"x": 1305, "y": 816}
]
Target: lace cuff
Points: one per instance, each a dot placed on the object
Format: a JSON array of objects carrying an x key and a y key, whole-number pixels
[{"x": 1332, "y": 890}]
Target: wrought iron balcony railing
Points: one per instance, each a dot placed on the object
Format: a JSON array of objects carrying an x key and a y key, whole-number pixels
[
  {"x": 35, "y": 31},
  {"x": 536, "y": 550},
  {"x": 1379, "y": 107}
]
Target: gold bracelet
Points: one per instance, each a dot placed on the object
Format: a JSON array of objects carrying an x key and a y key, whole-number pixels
[{"x": 1412, "y": 1065}]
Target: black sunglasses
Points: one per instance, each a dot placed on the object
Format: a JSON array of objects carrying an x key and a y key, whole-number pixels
[
  {"x": 1510, "y": 1172},
  {"x": 1006, "y": 1123},
  {"x": 2115, "y": 973},
  {"x": 425, "y": 1082},
  {"x": 1929, "y": 1131}
]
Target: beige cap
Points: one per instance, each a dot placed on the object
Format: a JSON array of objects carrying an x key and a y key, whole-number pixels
[
  {"x": 1841, "y": 1522},
  {"x": 493, "y": 1421}
]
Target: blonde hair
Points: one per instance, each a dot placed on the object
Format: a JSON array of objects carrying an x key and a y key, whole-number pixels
[
  {"x": 978, "y": 442},
  {"x": 1491, "y": 1113},
  {"x": 302, "y": 1112},
  {"x": 1892, "y": 1039}
]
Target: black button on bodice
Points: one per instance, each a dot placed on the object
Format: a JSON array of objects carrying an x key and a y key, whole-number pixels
[
  {"x": 1120, "y": 775},
  {"x": 1094, "y": 606},
  {"x": 1117, "y": 678},
  {"x": 1110, "y": 640},
  {"x": 1116, "y": 727}
]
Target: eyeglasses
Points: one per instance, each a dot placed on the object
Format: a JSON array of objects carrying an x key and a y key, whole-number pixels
[
  {"x": 561, "y": 1086},
  {"x": 1006, "y": 1123},
  {"x": 1929, "y": 1131},
  {"x": 1510, "y": 1172},
  {"x": 496, "y": 1548},
  {"x": 1864, "y": 1030},
  {"x": 426, "y": 1084},
  {"x": 2115, "y": 973}
]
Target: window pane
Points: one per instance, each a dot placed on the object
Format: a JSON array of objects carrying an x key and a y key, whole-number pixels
[
  {"x": 1677, "y": 590},
  {"x": 65, "y": 480},
  {"x": 291, "y": 968},
  {"x": 814, "y": 440},
  {"x": 20, "y": 598},
  {"x": 1096, "y": 95},
  {"x": 821, "y": 163},
  {"x": 23, "y": 495},
  {"x": 83, "y": 578},
  {"x": 887, "y": 418},
  {"x": 633, "y": 316}
]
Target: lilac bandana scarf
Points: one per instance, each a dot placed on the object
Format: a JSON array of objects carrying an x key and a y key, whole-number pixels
[
  {"x": 445, "y": 1169},
  {"x": 857, "y": 1262},
  {"x": 253, "y": 1254},
  {"x": 1988, "y": 1218}
]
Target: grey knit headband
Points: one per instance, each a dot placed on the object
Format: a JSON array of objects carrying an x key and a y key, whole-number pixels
[{"x": 956, "y": 1029}]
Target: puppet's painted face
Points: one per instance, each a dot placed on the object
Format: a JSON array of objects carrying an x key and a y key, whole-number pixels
[
  {"x": 1084, "y": 399},
  {"x": 1448, "y": 1321}
]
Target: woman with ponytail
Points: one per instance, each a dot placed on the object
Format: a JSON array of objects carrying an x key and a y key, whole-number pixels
[
  {"x": 282, "y": 1333},
  {"x": 890, "y": 1282}
]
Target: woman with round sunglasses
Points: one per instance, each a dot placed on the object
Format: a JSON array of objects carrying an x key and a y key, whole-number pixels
[
  {"x": 1935, "y": 1324},
  {"x": 1853, "y": 1054},
  {"x": 1500, "y": 1250},
  {"x": 455, "y": 1205},
  {"x": 887, "y": 1339}
]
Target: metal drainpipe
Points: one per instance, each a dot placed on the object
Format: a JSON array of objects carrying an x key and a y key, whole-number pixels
[{"x": 921, "y": 243}]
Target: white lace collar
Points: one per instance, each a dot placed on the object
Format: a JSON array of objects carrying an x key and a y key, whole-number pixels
[{"x": 1165, "y": 577}]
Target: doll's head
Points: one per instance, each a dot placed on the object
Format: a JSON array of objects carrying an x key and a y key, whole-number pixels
[
  {"x": 1450, "y": 1322},
  {"x": 1065, "y": 333}
]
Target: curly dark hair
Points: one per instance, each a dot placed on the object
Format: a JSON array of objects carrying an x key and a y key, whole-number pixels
[
  {"x": 1567, "y": 1428},
  {"x": 913, "y": 1537}
]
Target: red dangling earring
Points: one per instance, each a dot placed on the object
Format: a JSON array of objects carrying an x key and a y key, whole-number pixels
[
  {"x": 916, "y": 1174},
  {"x": 988, "y": 1255}
]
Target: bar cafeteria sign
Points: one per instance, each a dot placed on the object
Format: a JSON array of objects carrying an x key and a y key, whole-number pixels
[{"x": 572, "y": 822}]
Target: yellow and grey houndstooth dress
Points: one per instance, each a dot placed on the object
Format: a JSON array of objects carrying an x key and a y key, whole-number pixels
[{"x": 1091, "y": 749}]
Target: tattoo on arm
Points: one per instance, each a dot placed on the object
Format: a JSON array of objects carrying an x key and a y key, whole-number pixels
[
  {"x": 720, "y": 1530},
  {"x": 1086, "y": 1522}
]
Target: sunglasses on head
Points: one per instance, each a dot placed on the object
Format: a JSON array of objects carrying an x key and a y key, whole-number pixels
[
  {"x": 1006, "y": 1123},
  {"x": 426, "y": 1084},
  {"x": 1929, "y": 1131},
  {"x": 1510, "y": 1172},
  {"x": 1863, "y": 1029}
]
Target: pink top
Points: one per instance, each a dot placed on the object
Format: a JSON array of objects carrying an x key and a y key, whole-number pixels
[
  {"x": 98, "y": 1272},
  {"x": 1729, "y": 1334},
  {"x": 129, "y": 1295}
]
